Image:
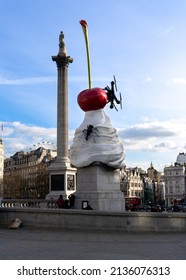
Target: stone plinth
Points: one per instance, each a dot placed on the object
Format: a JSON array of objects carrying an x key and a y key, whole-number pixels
[
  {"x": 100, "y": 186},
  {"x": 62, "y": 180}
]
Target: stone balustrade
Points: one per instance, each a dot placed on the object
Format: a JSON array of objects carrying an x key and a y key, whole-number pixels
[{"x": 27, "y": 203}]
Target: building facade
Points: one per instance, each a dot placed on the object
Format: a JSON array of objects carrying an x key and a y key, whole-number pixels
[
  {"x": 181, "y": 159},
  {"x": 131, "y": 182},
  {"x": 174, "y": 179},
  {"x": 147, "y": 185},
  {"x": 158, "y": 190},
  {"x": 1, "y": 166},
  {"x": 26, "y": 173},
  {"x": 153, "y": 174}
]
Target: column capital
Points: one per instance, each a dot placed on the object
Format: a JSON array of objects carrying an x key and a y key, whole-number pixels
[{"x": 62, "y": 60}]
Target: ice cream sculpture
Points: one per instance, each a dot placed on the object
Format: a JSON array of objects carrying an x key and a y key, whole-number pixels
[{"x": 96, "y": 141}]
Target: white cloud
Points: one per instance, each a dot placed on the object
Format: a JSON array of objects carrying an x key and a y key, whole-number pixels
[
  {"x": 32, "y": 131},
  {"x": 18, "y": 136},
  {"x": 43, "y": 80},
  {"x": 155, "y": 136},
  {"x": 27, "y": 81},
  {"x": 179, "y": 81},
  {"x": 148, "y": 130},
  {"x": 168, "y": 145},
  {"x": 147, "y": 80}
]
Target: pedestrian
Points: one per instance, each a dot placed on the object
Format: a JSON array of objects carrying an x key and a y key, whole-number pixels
[
  {"x": 71, "y": 198},
  {"x": 66, "y": 204},
  {"x": 60, "y": 202}
]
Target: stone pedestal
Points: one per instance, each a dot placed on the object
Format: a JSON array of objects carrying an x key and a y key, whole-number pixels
[
  {"x": 62, "y": 180},
  {"x": 100, "y": 186}
]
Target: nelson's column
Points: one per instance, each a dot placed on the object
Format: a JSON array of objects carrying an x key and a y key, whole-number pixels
[{"x": 62, "y": 177}]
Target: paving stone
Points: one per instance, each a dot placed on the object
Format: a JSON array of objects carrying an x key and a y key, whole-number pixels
[{"x": 44, "y": 244}]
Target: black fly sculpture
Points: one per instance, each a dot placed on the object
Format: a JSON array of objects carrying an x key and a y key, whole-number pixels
[
  {"x": 111, "y": 95},
  {"x": 90, "y": 129}
]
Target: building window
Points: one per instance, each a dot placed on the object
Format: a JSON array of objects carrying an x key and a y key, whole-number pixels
[{"x": 177, "y": 189}]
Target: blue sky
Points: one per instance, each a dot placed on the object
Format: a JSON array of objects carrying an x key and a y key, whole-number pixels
[{"x": 142, "y": 42}]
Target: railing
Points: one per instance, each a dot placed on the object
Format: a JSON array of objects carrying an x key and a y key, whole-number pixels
[{"x": 27, "y": 203}]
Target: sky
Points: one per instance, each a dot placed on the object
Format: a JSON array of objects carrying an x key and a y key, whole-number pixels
[{"x": 141, "y": 42}]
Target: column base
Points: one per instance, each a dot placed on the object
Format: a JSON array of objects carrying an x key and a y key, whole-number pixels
[{"x": 62, "y": 179}]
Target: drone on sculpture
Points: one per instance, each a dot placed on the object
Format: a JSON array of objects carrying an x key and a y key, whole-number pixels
[{"x": 110, "y": 91}]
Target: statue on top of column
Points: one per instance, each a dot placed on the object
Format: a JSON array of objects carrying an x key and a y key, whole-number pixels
[{"x": 61, "y": 40}]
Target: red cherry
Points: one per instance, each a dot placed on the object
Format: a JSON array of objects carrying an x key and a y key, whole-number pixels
[{"x": 92, "y": 99}]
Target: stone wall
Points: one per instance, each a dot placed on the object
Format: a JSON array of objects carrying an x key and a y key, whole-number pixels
[{"x": 95, "y": 220}]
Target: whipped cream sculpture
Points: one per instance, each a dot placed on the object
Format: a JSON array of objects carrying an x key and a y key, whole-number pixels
[{"x": 96, "y": 141}]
